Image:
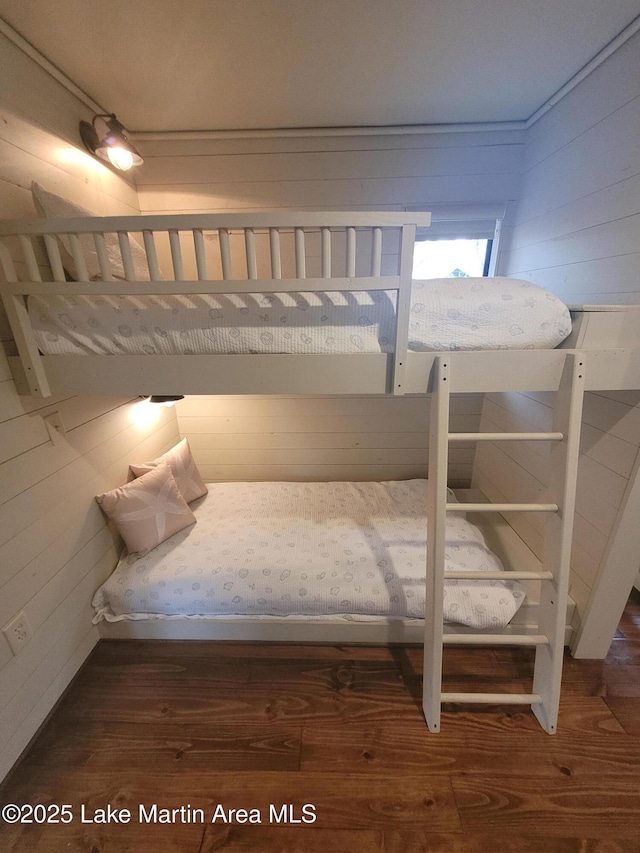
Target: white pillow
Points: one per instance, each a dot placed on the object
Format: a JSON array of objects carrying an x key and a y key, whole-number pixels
[
  {"x": 182, "y": 467},
  {"x": 51, "y": 206}
]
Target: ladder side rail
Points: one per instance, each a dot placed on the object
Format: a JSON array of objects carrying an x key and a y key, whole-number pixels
[
  {"x": 436, "y": 531},
  {"x": 562, "y": 481}
]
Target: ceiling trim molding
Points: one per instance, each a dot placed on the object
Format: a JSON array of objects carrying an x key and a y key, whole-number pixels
[
  {"x": 388, "y": 130},
  {"x": 30, "y": 51},
  {"x": 594, "y": 63},
  {"x": 358, "y": 130}
]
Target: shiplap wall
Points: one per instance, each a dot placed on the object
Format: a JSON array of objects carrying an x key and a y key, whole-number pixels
[
  {"x": 319, "y": 438},
  {"x": 324, "y": 438},
  {"x": 576, "y": 230},
  {"x": 55, "y": 548}
]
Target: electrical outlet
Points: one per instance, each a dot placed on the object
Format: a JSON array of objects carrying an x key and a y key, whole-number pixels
[{"x": 17, "y": 632}]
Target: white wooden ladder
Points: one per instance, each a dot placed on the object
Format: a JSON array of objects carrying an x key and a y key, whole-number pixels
[{"x": 549, "y": 639}]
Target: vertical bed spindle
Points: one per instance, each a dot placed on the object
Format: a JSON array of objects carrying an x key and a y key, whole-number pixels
[
  {"x": 274, "y": 246},
  {"x": 326, "y": 252},
  {"x": 376, "y": 252},
  {"x": 351, "y": 252},
  {"x": 125, "y": 252},
  {"x": 78, "y": 257},
  {"x": 250, "y": 250},
  {"x": 176, "y": 255},
  {"x": 201, "y": 257},
  {"x": 301, "y": 266},
  {"x": 152, "y": 255},
  {"x": 53, "y": 253},
  {"x": 225, "y": 253},
  {"x": 33, "y": 270},
  {"x": 103, "y": 257}
]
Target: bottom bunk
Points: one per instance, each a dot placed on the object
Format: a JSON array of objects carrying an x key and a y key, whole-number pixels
[{"x": 318, "y": 562}]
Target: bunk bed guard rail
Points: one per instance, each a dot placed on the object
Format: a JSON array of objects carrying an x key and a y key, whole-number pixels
[{"x": 207, "y": 254}]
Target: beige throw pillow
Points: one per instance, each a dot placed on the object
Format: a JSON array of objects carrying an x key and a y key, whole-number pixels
[
  {"x": 51, "y": 206},
  {"x": 148, "y": 510},
  {"x": 182, "y": 467}
]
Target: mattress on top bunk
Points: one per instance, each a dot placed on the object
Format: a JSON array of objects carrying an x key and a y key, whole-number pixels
[
  {"x": 446, "y": 314},
  {"x": 350, "y": 550}
]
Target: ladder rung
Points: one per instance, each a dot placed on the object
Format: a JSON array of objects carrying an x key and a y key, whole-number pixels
[
  {"x": 488, "y": 507},
  {"x": 506, "y": 436},
  {"x": 460, "y": 575},
  {"x": 493, "y": 698},
  {"x": 495, "y": 639}
]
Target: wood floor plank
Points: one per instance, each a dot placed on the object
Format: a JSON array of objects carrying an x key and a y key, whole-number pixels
[
  {"x": 299, "y": 839},
  {"x": 585, "y": 714},
  {"x": 312, "y": 840},
  {"x": 347, "y": 675},
  {"x": 579, "y": 677},
  {"x": 251, "y": 705},
  {"x": 622, "y": 681},
  {"x": 341, "y": 801},
  {"x": 626, "y": 652},
  {"x": 416, "y": 841},
  {"x": 630, "y": 622},
  {"x": 627, "y": 712},
  {"x": 597, "y": 806},
  {"x": 278, "y": 692},
  {"x": 168, "y": 670},
  {"x": 166, "y": 747},
  {"x": 413, "y": 750},
  {"x": 482, "y": 843},
  {"x": 76, "y": 838}
]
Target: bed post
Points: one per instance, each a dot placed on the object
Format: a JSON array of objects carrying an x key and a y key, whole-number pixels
[
  {"x": 562, "y": 478},
  {"x": 436, "y": 527},
  {"x": 403, "y": 306}
]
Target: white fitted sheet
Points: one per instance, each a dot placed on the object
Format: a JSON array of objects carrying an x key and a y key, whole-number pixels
[
  {"x": 309, "y": 549},
  {"x": 446, "y": 314}
]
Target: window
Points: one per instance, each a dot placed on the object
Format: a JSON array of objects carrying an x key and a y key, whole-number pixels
[
  {"x": 461, "y": 242},
  {"x": 451, "y": 258}
]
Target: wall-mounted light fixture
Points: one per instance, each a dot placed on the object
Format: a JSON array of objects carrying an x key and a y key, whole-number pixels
[
  {"x": 108, "y": 139},
  {"x": 163, "y": 400}
]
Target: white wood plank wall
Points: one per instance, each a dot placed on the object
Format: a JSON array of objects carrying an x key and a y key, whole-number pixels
[
  {"x": 516, "y": 472},
  {"x": 323, "y": 438},
  {"x": 576, "y": 231},
  {"x": 320, "y": 438},
  {"x": 55, "y": 548},
  {"x": 329, "y": 173}
]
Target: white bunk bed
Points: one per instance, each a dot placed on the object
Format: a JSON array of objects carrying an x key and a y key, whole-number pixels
[{"x": 301, "y": 251}]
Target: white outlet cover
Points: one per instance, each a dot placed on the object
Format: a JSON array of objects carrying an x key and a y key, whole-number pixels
[{"x": 17, "y": 632}]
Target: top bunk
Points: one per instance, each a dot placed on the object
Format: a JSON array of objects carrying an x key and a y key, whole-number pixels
[{"x": 279, "y": 303}]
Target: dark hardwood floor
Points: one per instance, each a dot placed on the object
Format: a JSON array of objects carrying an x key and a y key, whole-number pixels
[{"x": 253, "y": 727}]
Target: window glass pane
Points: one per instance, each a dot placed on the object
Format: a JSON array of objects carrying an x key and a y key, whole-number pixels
[{"x": 449, "y": 258}]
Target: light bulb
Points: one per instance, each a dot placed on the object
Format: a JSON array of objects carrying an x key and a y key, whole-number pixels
[
  {"x": 144, "y": 413},
  {"x": 121, "y": 158}
]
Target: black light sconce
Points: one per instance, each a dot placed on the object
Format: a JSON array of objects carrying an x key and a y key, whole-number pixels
[
  {"x": 108, "y": 139},
  {"x": 163, "y": 400}
]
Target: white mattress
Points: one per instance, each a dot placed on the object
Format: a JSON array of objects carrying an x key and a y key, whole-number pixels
[
  {"x": 446, "y": 314},
  {"x": 309, "y": 549}
]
